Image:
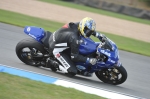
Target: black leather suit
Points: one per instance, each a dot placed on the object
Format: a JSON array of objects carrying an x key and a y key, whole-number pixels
[{"x": 67, "y": 36}]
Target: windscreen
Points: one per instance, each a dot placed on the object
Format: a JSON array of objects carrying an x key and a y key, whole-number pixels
[{"x": 107, "y": 45}]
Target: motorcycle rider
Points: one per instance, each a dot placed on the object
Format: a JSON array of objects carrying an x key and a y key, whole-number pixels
[{"x": 67, "y": 39}]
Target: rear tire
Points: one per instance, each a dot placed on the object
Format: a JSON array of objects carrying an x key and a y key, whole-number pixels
[
  {"x": 26, "y": 47},
  {"x": 115, "y": 76}
]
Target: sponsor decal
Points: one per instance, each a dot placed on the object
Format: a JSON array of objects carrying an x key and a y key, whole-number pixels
[
  {"x": 64, "y": 62},
  {"x": 106, "y": 53},
  {"x": 28, "y": 29},
  {"x": 57, "y": 55},
  {"x": 112, "y": 61},
  {"x": 32, "y": 35}
]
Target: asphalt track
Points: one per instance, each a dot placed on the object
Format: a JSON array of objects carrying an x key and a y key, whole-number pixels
[{"x": 137, "y": 66}]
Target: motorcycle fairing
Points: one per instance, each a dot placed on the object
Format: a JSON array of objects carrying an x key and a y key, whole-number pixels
[
  {"x": 112, "y": 55},
  {"x": 87, "y": 46},
  {"x": 35, "y": 32}
]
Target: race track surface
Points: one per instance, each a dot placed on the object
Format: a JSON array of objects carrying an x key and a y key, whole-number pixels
[{"x": 137, "y": 66}]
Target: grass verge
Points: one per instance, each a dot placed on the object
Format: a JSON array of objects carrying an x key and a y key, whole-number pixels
[
  {"x": 15, "y": 87},
  {"x": 99, "y": 11},
  {"x": 123, "y": 43}
]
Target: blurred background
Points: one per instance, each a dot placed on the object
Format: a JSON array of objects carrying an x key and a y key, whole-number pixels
[{"x": 136, "y": 8}]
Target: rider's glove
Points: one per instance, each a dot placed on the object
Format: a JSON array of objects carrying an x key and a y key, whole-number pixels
[
  {"x": 91, "y": 61},
  {"x": 101, "y": 37}
]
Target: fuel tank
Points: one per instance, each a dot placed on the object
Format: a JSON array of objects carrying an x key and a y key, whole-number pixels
[{"x": 87, "y": 46}]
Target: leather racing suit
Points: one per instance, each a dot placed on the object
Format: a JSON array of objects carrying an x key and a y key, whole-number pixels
[{"x": 66, "y": 39}]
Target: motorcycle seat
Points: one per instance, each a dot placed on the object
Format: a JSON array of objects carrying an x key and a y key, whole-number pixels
[{"x": 45, "y": 39}]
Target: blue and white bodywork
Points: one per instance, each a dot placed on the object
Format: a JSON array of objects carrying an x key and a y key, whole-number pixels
[
  {"x": 35, "y": 32},
  {"x": 111, "y": 53},
  {"x": 87, "y": 46},
  {"x": 108, "y": 68}
]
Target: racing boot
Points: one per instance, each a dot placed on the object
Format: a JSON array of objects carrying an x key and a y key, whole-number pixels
[{"x": 52, "y": 64}]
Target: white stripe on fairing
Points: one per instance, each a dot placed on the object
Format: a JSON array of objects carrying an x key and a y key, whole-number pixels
[
  {"x": 57, "y": 50},
  {"x": 99, "y": 92},
  {"x": 61, "y": 44}
]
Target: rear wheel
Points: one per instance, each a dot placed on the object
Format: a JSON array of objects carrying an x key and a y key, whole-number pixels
[
  {"x": 30, "y": 52},
  {"x": 115, "y": 75}
]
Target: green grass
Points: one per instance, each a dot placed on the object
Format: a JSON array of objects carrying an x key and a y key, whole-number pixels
[
  {"x": 15, "y": 87},
  {"x": 123, "y": 43},
  {"x": 99, "y": 11},
  {"x": 23, "y": 20}
]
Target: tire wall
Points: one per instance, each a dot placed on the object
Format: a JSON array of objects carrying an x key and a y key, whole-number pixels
[{"x": 123, "y": 9}]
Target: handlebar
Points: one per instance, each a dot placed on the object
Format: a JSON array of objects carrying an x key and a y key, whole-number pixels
[{"x": 106, "y": 43}]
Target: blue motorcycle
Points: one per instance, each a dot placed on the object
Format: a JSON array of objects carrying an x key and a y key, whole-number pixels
[{"x": 34, "y": 51}]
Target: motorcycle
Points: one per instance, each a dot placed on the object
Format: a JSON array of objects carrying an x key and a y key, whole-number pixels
[{"x": 34, "y": 51}]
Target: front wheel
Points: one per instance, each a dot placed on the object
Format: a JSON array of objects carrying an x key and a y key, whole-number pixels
[{"x": 115, "y": 75}]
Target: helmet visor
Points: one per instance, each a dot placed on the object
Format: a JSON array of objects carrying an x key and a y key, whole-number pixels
[{"x": 88, "y": 32}]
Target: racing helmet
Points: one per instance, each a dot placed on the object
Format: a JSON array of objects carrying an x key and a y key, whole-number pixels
[{"x": 87, "y": 26}]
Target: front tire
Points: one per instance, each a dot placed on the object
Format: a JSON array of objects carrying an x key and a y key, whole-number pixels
[
  {"x": 115, "y": 75},
  {"x": 30, "y": 51}
]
